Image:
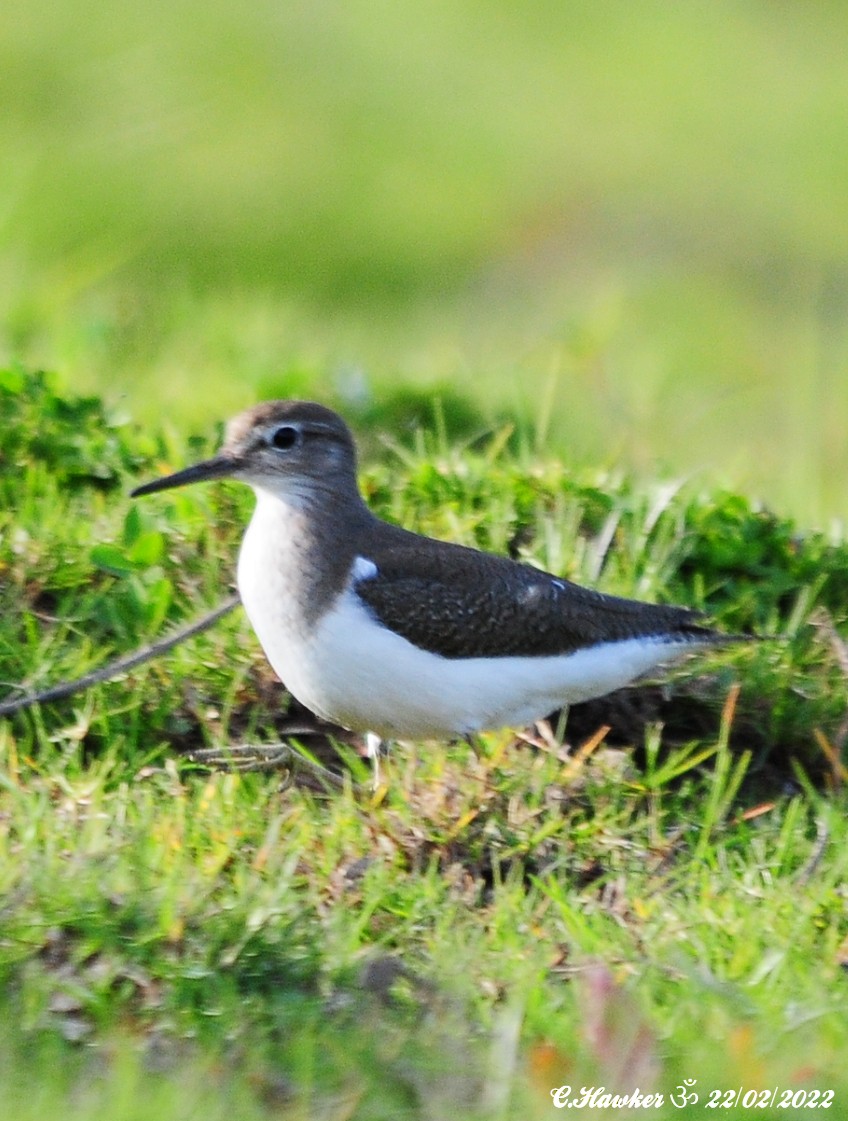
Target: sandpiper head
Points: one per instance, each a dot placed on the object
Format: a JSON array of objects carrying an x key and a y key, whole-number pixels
[{"x": 290, "y": 448}]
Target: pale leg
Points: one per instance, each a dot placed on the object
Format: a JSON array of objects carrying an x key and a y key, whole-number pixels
[{"x": 373, "y": 743}]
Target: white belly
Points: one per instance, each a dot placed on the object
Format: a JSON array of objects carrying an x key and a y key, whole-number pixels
[{"x": 349, "y": 669}]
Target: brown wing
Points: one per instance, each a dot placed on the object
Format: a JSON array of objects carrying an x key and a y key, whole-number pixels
[{"x": 460, "y": 603}]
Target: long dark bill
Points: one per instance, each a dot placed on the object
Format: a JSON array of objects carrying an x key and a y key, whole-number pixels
[{"x": 217, "y": 468}]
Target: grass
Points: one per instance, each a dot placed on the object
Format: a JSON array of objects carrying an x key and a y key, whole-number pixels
[{"x": 659, "y": 902}]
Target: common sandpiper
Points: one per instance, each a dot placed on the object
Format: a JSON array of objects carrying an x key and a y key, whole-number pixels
[{"x": 397, "y": 635}]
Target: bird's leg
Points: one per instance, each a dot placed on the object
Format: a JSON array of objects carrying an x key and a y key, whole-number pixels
[{"x": 373, "y": 746}]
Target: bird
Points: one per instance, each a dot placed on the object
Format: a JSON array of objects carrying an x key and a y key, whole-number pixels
[{"x": 400, "y": 636}]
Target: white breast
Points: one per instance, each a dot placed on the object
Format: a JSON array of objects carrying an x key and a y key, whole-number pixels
[{"x": 272, "y": 590}]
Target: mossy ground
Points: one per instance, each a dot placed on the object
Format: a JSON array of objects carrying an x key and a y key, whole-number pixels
[{"x": 660, "y": 901}]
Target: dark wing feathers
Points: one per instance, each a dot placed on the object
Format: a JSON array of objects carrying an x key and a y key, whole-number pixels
[{"x": 461, "y": 603}]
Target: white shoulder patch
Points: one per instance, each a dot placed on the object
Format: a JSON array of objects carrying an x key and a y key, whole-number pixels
[{"x": 363, "y": 569}]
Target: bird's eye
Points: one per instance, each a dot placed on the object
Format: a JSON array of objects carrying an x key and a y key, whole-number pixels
[{"x": 284, "y": 437}]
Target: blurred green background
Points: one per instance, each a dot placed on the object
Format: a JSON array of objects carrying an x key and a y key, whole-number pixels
[{"x": 624, "y": 224}]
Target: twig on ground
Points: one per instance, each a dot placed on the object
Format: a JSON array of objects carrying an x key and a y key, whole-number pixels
[
  {"x": 120, "y": 665},
  {"x": 241, "y": 758}
]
